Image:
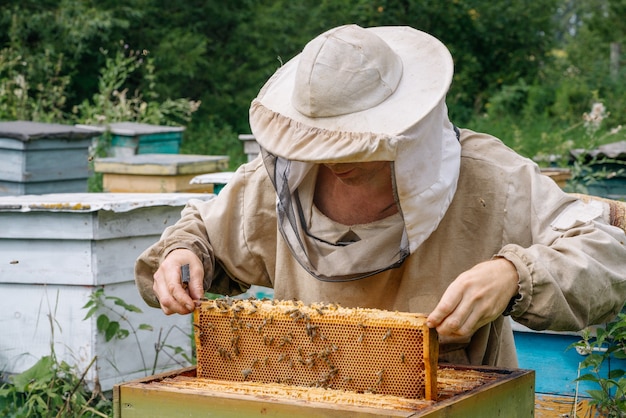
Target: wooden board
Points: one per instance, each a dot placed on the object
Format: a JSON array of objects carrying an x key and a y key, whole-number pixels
[{"x": 552, "y": 406}]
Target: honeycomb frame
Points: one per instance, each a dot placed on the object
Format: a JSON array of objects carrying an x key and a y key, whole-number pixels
[{"x": 318, "y": 345}]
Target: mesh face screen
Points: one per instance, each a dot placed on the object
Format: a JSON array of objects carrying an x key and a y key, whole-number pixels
[{"x": 327, "y": 346}]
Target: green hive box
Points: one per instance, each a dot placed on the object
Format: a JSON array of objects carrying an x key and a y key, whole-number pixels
[
  {"x": 130, "y": 138},
  {"x": 608, "y": 165},
  {"x": 42, "y": 158},
  {"x": 146, "y": 139}
]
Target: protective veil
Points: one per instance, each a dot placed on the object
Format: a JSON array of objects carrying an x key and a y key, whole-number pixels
[{"x": 360, "y": 95}]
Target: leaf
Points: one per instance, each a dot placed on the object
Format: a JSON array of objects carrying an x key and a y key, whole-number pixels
[
  {"x": 89, "y": 304},
  {"x": 587, "y": 377},
  {"x": 616, "y": 374},
  {"x": 41, "y": 371},
  {"x": 147, "y": 327},
  {"x": 122, "y": 333},
  {"x": 90, "y": 312},
  {"x": 103, "y": 323},
  {"x": 597, "y": 394},
  {"x": 111, "y": 330},
  {"x": 127, "y": 306}
]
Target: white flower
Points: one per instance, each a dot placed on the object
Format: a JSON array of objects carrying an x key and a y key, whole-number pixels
[{"x": 593, "y": 119}]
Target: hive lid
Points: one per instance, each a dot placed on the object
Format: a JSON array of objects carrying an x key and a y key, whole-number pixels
[
  {"x": 92, "y": 202},
  {"x": 222, "y": 177},
  {"x": 27, "y": 130},
  {"x": 614, "y": 150},
  {"x": 133, "y": 128}
]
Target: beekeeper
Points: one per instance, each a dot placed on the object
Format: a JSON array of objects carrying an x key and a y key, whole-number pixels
[{"x": 366, "y": 195}]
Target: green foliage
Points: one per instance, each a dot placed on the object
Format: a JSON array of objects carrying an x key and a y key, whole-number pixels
[
  {"x": 22, "y": 96},
  {"x": 608, "y": 343},
  {"x": 113, "y": 103},
  {"x": 51, "y": 389},
  {"x": 113, "y": 321}
]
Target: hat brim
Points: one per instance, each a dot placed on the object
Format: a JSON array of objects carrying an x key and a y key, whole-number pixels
[{"x": 427, "y": 74}]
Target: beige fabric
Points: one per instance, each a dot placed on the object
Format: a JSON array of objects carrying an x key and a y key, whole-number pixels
[
  {"x": 427, "y": 69},
  {"x": 615, "y": 211},
  {"x": 335, "y": 78},
  {"x": 503, "y": 206}
]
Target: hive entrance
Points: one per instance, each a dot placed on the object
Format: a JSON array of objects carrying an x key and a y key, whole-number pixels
[{"x": 360, "y": 350}]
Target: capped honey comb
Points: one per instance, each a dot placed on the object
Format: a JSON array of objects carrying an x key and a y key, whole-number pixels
[{"x": 317, "y": 345}]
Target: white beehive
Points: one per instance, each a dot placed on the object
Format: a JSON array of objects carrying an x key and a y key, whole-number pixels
[{"x": 56, "y": 250}]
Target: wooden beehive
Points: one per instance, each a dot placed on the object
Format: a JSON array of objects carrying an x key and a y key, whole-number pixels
[
  {"x": 318, "y": 345},
  {"x": 158, "y": 173},
  {"x": 56, "y": 250},
  {"x": 41, "y": 158},
  {"x": 476, "y": 392}
]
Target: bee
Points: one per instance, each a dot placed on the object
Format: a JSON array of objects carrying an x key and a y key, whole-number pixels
[
  {"x": 387, "y": 334},
  {"x": 380, "y": 377},
  {"x": 223, "y": 353},
  {"x": 402, "y": 358},
  {"x": 246, "y": 373},
  {"x": 311, "y": 330},
  {"x": 285, "y": 340}
]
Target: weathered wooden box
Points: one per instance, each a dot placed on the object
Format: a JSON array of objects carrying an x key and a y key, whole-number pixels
[
  {"x": 56, "y": 251},
  {"x": 158, "y": 173},
  {"x": 464, "y": 392},
  {"x": 43, "y": 158}
]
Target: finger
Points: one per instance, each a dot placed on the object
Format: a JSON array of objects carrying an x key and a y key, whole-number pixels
[
  {"x": 447, "y": 304},
  {"x": 196, "y": 282},
  {"x": 170, "y": 293},
  {"x": 458, "y": 322}
]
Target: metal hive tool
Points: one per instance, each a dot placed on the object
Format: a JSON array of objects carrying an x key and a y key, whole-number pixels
[{"x": 318, "y": 345}]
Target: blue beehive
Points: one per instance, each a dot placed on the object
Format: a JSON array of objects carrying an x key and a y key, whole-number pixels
[{"x": 43, "y": 158}]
